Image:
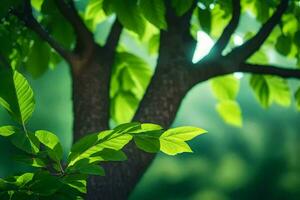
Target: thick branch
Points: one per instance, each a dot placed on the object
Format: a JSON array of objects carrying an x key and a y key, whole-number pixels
[
  {"x": 208, "y": 70},
  {"x": 229, "y": 29},
  {"x": 27, "y": 17},
  {"x": 244, "y": 51},
  {"x": 84, "y": 36},
  {"x": 180, "y": 26},
  {"x": 269, "y": 70}
]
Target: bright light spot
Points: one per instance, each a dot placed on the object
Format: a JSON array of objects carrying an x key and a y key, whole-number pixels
[
  {"x": 238, "y": 40},
  {"x": 202, "y": 6},
  {"x": 203, "y": 47},
  {"x": 211, "y": 6},
  {"x": 238, "y": 75}
]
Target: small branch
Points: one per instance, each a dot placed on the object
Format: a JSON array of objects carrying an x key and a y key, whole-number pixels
[
  {"x": 68, "y": 10},
  {"x": 27, "y": 17},
  {"x": 228, "y": 30},
  {"x": 243, "y": 52},
  {"x": 114, "y": 36},
  {"x": 269, "y": 70}
]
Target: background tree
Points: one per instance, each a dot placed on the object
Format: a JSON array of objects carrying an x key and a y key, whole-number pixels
[{"x": 37, "y": 34}]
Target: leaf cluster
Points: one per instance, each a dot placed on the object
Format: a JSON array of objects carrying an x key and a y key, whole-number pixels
[{"x": 56, "y": 178}]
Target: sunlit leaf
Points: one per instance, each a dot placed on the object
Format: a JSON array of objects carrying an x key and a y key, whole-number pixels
[
  {"x": 225, "y": 87},
  {"x": 51, "y": 141},
  {"x": 16, "y": 95},
  {"x": 230, "y": 111},
  {"x": 8, "y": 130}
]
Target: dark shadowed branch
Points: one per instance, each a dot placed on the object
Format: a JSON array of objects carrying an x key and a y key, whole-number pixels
[
  {"x": 269, "y": 70},
  {"x": 114, "y": 36},
  {"x": 229, "y": 29},
  {"x": 83, "y": 35},
  {"x": 27, "y": 17},
  {"x": 243, "y": 52}
]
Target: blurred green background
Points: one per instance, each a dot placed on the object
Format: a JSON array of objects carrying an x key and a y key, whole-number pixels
[{"x": 258, "y": 161}]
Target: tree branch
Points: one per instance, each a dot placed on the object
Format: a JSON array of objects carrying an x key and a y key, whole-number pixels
[
  {"x": 27, "y": 17},
  {"x": 114, "y": 36},
  {"x": 243, "y": 52},
  {"x": 84, "y": 36},
  {"x": 269, "y": 70},
  {"x": 228, "y": 30}
]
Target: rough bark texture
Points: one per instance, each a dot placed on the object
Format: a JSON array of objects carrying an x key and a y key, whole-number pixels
[{"x": 90, "y": 95}]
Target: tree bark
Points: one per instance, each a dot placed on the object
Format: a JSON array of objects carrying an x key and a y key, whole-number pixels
[{"x": 159, "y": 105}]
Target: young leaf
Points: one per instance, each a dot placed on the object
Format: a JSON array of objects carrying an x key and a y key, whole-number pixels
[
  {"x": 51, "y": 141},
  {"x": 16, "y": 95},
  {"x": 154, "y": 12},
  {"x": 225, "y": 87},
  {"x": 6, "y": 131},
  {"x": 173, "y": 140},
  {"x": 269, "y": 89},
  {"x": 261, "y": 89},
  {"x": 230, "y": 111}
]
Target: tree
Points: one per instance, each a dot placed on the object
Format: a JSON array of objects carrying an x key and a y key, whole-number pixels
[{"x": 41, "y": 33}]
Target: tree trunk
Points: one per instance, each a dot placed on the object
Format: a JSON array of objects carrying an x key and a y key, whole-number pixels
[{"x": 159, "y": 105}]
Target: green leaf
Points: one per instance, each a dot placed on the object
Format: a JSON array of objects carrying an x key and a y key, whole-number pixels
[
  {"x": 92, "y": 170},
  {"x": 51, "y": 141},
  {"x": 148, "y": 142},
  {"x": 181, "y": 6},
  {"x": 84, "y": 166},
  {"x": 38, "y": 58},
  {"x": 26, "y": 142},
  {"x": 44, "y": 184},
  {"x": 29, "y": 160},
  {"x": 225, "y": 87},
  {"x": 16, "y": 96},
  {"x": 183, "y": 133},
  {"x": 123, "y": 105},
  {"x": 297, "y": 97},
  {"x": 283, "y": 45},
  {"x": 280, "y": 92},
  {"x": 173, "y": 140},
  {"x": 129, "y": 15},
  {"x": 269, "y": 89},
  {"x": 84, "y": 148},
  {"x": 8, "y": 130},
  {"x": 114, "y": 140},
  {"x": 154, "y": 12},
  {"x": 94, "y": 13},
  {"x": 24, "y": 179},
  {"x": 173, "y": 147},
  {"x": 205, "y": 19},
  {"x": 76, "y": 181},
  {"x": 153, "y": 44},
  {"x": 230, "y": 111},
  {"x": 108, "y": 155},
  {"x": 261, "y": 89}
]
